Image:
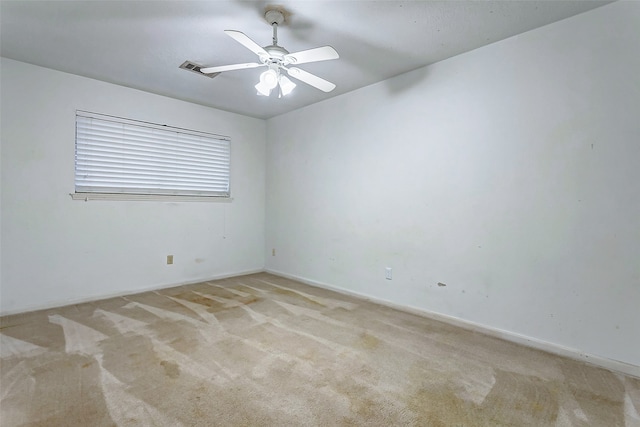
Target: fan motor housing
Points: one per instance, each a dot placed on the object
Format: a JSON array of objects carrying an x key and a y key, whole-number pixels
[{"x": 276, "y": 52}]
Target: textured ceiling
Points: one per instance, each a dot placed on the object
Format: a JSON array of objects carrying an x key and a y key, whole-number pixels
[{"x": 141, "y": 44}]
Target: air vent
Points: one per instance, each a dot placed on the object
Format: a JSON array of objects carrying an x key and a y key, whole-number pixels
[{"x": 192, "y": 66}]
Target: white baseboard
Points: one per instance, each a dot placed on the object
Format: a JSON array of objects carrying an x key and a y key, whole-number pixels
[
  {"x": 602, "y": 362},
  {"x": 156, "y": 287}
]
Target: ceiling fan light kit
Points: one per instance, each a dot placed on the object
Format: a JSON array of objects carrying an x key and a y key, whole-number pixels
[{"x": 278, "y": 61}]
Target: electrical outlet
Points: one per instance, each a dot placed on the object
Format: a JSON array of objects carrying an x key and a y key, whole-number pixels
[
  {"x": 273, "y": 252},
  {"x": 169, "y": 259},
  {"x": 387, "y": 273}
]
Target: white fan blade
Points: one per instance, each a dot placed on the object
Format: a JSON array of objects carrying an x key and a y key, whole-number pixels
[
  {"x": 323, "y": 53},
  {"x": 244, "y": 40},
  {"x": 310, "y": 79},
  {"x": 222, "y": 68}
]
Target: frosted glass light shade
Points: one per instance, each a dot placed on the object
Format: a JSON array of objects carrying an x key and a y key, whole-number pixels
[
  {"x": 263, "y": 89},
  {"x": 269, "y": 78},
  {"x": 286, "y": 85}
]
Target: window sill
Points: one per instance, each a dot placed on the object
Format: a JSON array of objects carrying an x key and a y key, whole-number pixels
[{"x": 148, "y": 197}]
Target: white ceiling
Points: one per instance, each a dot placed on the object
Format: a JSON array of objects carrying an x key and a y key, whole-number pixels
[{"x": 141, "y": 44}]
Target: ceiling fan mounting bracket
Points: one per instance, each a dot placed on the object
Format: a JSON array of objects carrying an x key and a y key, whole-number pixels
[{"x": 274, "y": 16}]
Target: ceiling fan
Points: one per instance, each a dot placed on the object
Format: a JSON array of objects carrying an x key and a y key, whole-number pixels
[{"x": 278, "y": 61}]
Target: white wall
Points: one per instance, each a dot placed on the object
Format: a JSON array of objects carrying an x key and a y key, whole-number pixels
[
  {"x": 56, "y": 251},
  {"x": 510, "y": 173}
]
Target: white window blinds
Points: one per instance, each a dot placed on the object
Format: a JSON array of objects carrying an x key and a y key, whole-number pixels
[{"x": 121, "y": 156}]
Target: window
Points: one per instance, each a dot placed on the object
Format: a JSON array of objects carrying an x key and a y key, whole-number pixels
[{"x": 122, "y": 158}]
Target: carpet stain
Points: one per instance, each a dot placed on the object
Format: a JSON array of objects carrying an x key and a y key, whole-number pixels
[
  {"x": 250, "y": 300},
  {"x": 368, "y": 341},
  {"x": 171, "y": 369},
  {"x": 197, "y": 299},
  {"x": 363, "y": 403},
  {"x": 441, "y": 407}
]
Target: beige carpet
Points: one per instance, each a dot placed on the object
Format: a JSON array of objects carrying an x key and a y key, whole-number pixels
[{"x": 261, "y": 350}]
